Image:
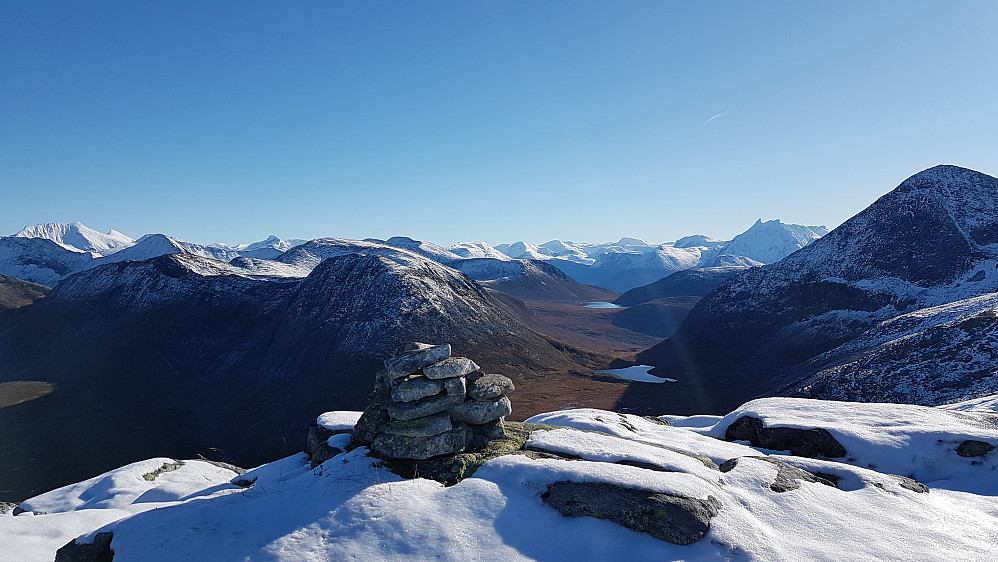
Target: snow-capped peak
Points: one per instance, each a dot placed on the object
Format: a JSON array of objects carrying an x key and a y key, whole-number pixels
[
  {"x": 770, "y": 241},
  {"x": 78, "y": 237}
]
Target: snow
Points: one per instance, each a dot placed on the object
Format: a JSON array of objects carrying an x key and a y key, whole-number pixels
[
  {"x": 78, "y": 237},
  {"x": 351, "y": 508},
  {"x": 338, "y": 421}
]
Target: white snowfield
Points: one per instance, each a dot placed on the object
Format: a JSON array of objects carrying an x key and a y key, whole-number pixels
[{"x": 350, "y": 508}]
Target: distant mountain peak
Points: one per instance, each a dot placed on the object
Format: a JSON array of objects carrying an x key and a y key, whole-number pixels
[{"x": 78, "y": 237}]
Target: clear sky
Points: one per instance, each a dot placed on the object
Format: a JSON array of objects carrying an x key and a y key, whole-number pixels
[{"x": 493, "y": 120}]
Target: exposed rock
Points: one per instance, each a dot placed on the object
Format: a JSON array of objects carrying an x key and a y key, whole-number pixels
[
  {"x": 450, "y": 368},
  {"x": 456, "y": 386},
  {"x": 788, "y": 477},
  {"x": 97, "y": 551},
  {"x": 910, "y": 484},
  {"x": 971, "y": 448},
  {"x": 7, "y": 507},
  {"x": 676, "y": 519},
  {"x": 412, "y": 360},
  {"x": 800, "y": 442},
  {"x": 414, "y": 388},
  {"x": 167, "y": 467},
  {"x": 478, "y": 412},
  {"x": 451, "y": 469},
  {"x": 374, "y": 417},
  {"x": 488, "y": 387},
  {"x": 482, "y": 433},
  {"x": 317, "y": 445},
  {"x": 425, "y": 407},
  {"x": 421, "y": 448},
  {"x": 420, "y": 427}
]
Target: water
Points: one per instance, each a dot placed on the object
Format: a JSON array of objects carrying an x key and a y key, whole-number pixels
[
  {"x": 637, "y": 373},
  {"x": 601, "y": 304}
]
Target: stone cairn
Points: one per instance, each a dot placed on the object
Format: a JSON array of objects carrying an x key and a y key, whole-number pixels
[{"x": 426, "y": 403}]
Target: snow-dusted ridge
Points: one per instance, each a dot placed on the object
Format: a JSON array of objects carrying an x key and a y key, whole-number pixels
[{"x": 352, "y": 508}]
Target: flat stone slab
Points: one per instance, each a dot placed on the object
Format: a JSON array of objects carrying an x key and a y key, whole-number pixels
[
  {"x": 390, "y": 446},
  {"x": 409, "y": 362},
  {"x": 479, "y": 412},
  {"x": 450, "y": 368},
  {"x": 420, "y": 427},
  {"x": 422, "y": 408},
  {"x": 415, "y": 388},
  {"x": 488, "y": 387}
]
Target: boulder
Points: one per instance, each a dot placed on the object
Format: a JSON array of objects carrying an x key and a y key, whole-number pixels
[
  {"x": 800, "y": 442},
  {"x": 420, "y": 427},
  {"x": 675, "y": 519},
  {"x": 450, "y": 368},
  {"x": 488, "y": 387},
  {"x": 483, "y": 433},
  {"x": 971, "y": 448},
  {"x": 481, "y": 411},
  {"x": 374, "y": 417},
  {"x": 415, "y": 357},
  {"x": 422, "y": 408},
  {"x": 97, "y": 551},
  {"x": 388, "y": 445},
  {"x": 414, "y": 388}
]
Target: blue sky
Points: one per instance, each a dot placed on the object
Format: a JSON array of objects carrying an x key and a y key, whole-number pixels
[{"x": 482, "y": 120}]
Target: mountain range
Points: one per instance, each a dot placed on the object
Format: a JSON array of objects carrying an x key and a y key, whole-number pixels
[
  {"x": 617, "y": 266},
  {"x": 896, "y": 303}
]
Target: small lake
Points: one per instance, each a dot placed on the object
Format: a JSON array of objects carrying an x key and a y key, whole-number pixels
[
  {"x": 601, "y": 304},
  {"x": 638, "y": 373}
]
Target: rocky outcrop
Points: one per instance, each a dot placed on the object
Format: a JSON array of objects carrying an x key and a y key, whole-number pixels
[
  {"x": 426, "y": 404},
  {"x": 99, "y": 550},
  {"x": 811, "y": 443},
  {"x": 675, "y": 519}
]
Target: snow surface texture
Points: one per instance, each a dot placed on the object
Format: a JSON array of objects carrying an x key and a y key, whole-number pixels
[{"x": 349, "y": 508}]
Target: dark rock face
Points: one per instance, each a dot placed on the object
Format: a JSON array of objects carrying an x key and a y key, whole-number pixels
[
  {"x": 971, "y": 448},
  {"x": 316, "y": 445},
  {"x": 800, "y": 442},
  {"x": 788, "y": 477},
  {"x": 674, "y": 519},
  {"x": 750, "y": 336},
  {"x": 97, "y": 551}
]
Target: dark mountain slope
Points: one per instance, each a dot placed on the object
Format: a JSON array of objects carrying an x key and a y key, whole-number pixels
[
  {"x": 15, "y": 293},
  {"x": 181, "y": 355},
  {"x": 930, "y": 241}
]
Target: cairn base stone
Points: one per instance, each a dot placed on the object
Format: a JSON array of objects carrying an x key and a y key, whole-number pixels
[
  {"x": 484, "y": 433},
  {"x": 479, "y": 411},
  {"x": 391, "y": 446},
  {"x": 420, "y": 427},
  {"x": 374, "y": 417}
]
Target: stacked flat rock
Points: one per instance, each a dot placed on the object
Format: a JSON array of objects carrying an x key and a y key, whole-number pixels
[{"x": 426, "y": 403}]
